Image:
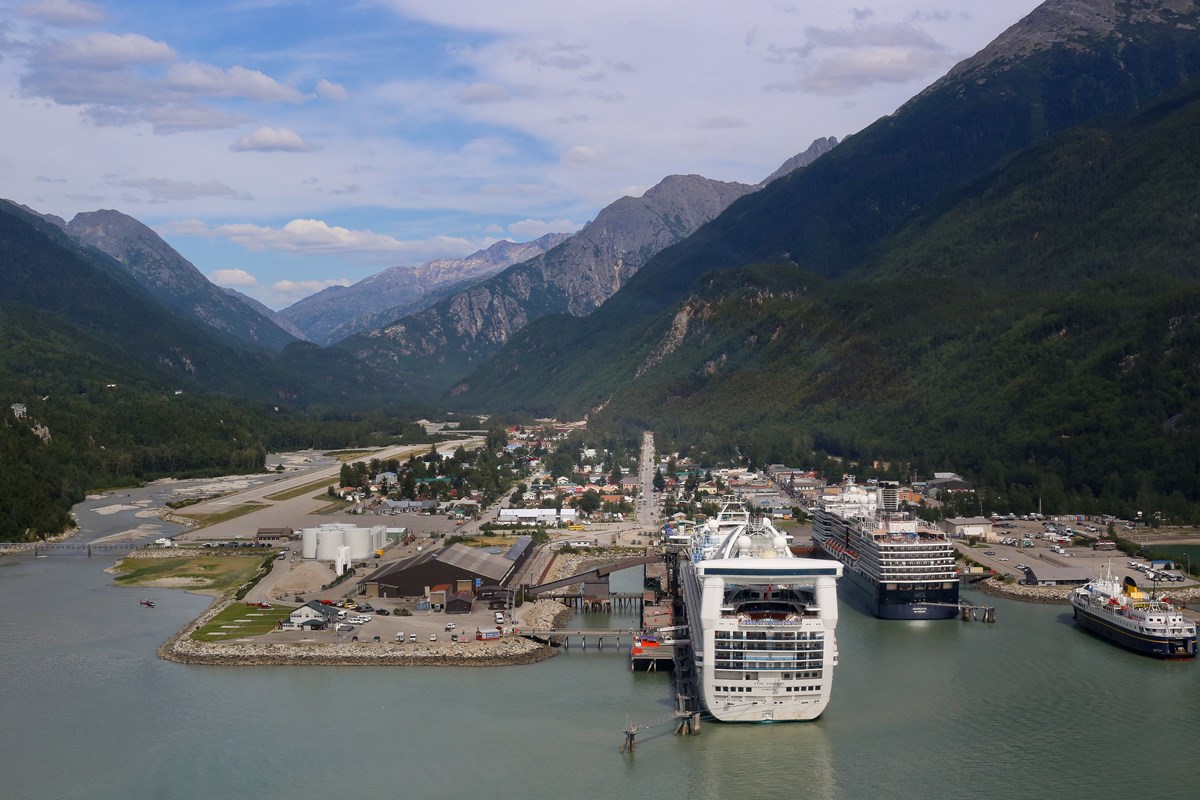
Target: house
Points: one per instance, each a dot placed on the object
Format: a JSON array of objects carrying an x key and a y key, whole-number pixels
[{"x": 312, "y": 614}]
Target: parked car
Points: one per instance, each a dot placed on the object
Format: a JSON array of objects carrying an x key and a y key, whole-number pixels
[
  {"x": 412, "y": 637},
  {"x": 383, "y": 612},
  {"x": 450, "y": 626},
  {"x": 433, "y": 637},
  {"x": 989, "y": 552}
]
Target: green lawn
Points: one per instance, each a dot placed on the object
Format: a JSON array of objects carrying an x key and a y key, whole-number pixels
[{"x": 238, "y": 620}]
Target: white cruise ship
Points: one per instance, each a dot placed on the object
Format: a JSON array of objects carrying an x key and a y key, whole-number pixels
[{"x": 762, "y": 621}]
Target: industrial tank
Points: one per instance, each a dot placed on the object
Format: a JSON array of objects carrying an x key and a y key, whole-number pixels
[
  {"x": 359, "y": 542},
  {"x": 308, "y": 543},
  {"x": 329, "y": 539}
]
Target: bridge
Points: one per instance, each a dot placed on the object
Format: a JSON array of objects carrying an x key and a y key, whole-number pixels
[{"x": 66, "y": 548}]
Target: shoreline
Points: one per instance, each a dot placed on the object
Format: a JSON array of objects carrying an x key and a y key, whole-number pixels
[
  {"x": 1059, "y": 595},
  {"x": 511, "y": 651}
]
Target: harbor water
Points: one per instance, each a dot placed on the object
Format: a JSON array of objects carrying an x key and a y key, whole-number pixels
[{"x": 1028, "y": 707}]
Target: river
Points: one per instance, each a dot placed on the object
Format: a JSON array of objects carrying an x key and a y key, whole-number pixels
[{"x": 1028, "y": 707}]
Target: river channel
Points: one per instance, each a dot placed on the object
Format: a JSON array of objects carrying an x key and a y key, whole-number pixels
[{"x": 1028, "y": 707}]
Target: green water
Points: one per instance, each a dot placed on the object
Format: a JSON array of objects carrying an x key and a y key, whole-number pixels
[{"x": 1029, "y": 707}]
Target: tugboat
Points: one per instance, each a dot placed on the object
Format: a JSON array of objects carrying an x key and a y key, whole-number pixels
[
  {"x": 1141, "y": 622},
  {"x": 148, "y": 603}
]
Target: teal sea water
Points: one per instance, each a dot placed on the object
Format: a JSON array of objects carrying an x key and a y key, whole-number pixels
[{"x": 1028, "y": 707}]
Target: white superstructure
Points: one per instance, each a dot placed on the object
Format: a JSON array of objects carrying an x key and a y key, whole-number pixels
[{"x": 762, "y": 621}]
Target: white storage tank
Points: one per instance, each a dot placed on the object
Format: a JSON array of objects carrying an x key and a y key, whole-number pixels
[
  {"x": 308, "y": 543},
  {"x": 378, "y": 537},
  {"x": 329, "y": 539},
  {"x": 359, "y": 542}
]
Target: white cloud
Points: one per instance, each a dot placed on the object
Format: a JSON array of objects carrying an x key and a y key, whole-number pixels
[
  {"x": 316, "y": 237},
  {"x": 233, "y": 277},
  {"x": 64, "y": 13},
  {"x": 110, "y": 51},
  {"x": 328, "y": 90},
  {"x": 581, "y": 154},
  {"x": 211, "y": 81},
  {"x": 534, "y": 228},
  {"x": 271, "y": 140}
]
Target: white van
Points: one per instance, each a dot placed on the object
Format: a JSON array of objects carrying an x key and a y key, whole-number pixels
[{"x": 499, "y": 618}]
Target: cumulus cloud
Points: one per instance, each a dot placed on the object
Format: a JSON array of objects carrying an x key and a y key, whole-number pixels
[
  {"x": 328, "y": 90},
  {"x": 109, "y": 51},
  {"x": 533, "y": 228},
  {"x": 271, "y": 140},
  {"x": 846, "y": 60},
  {"x": 233, "y": 277},
  {"x": 63, "y": 13},
  {"x": 208, "y": 80}
]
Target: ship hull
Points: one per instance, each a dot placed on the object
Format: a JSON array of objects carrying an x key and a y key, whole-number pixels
[
  {"x": 1169, "y": 648},
  {"x": 879, "y": 601}
]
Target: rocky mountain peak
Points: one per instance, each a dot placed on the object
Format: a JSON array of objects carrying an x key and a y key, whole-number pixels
[
  {"x": 1072, "y": 23},
  {"x": 818, "y": 148}
]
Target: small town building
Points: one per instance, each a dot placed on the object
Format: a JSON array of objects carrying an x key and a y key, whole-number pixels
[
  {"x": 274, "y": 534},
  {"x": 460, "y": 603},
  {"x": 312, "y": 614},
  {"x": 979, "y": 528}
]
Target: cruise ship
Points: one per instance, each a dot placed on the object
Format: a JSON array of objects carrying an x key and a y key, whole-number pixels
[
  {"x": 1138, "y": 621},
  {"x": 898, "y": 566},
  {"x": 761, "y": 620}
]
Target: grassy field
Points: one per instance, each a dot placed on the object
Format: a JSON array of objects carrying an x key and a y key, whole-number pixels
[
  {"x": 349, "y": 455},
  {"x": 215, "y": 574},
  {"x": 239, "y": 620},
  {"x": 222, "y": 516},
  {"x": 299, "y": 490}
]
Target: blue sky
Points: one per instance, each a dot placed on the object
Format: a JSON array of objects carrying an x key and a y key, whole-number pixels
[{"x": 284, "y": 146}]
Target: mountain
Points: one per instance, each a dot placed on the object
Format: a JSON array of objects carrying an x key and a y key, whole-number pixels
[
  {"x": 818, "y": 148},
  {"x": 274, "y": 316},
  {"x": 173, "y": 280},
  {"x": 340, "y": 311},
  {"x": 855, "y": 307},
  {"x": 435, "y": 347}
]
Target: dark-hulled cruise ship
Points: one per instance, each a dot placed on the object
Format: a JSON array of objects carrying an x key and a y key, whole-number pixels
[{"x": 901, "y": 568}]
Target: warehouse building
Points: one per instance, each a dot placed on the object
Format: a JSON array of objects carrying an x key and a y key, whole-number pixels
[{"x": 463, "y": 568}]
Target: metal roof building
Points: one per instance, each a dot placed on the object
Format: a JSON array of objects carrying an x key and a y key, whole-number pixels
[{"x": 455, "y": 565}]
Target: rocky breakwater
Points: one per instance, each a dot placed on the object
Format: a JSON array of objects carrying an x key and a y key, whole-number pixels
[
  {"x": 1061, "y": 594},
  {"x": 504, "y": 652}
]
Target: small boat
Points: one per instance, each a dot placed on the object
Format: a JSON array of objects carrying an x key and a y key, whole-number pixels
[{"x": 148, "y": 603}]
